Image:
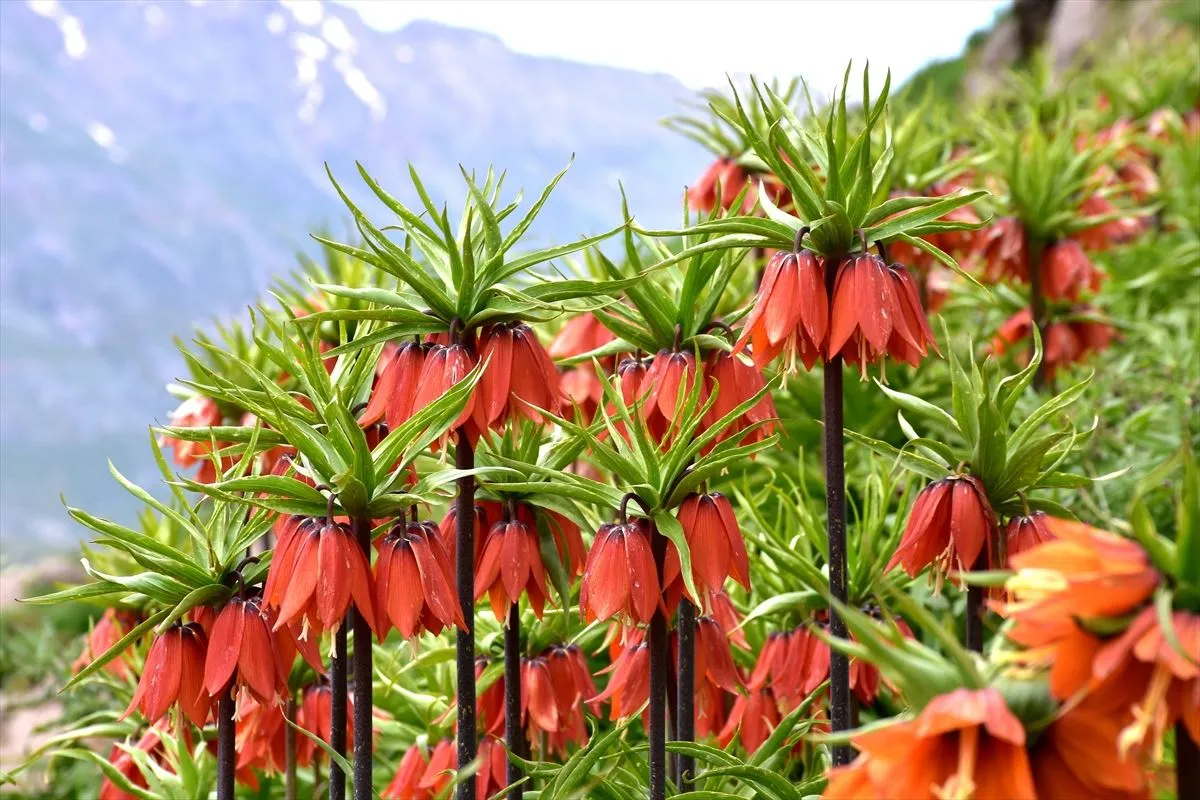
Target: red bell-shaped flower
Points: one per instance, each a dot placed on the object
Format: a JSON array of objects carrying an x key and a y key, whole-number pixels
[
  {"x": 315, "y": 715},
  {"x": 1067, "y": 273},
  {"x": 753, "y": 716},
  {"x": 791, "y": 312},
  {"x": 112, "y": 626},
  {"x": 406, "y": 783},
  {"x": 951, "y": 525},
  {"x": 511, "y": 563},
  {"x": 715, "y": 543},
  {"x": 414, "y": 581},
  {"x": 395, "y": 392},
  {"x": 519, "y": 378},
  {"x": 620, "y": 578},
  {"x": 1026, "y": 532},
  {"x": 876, "y": 312},
  {"x": 671, "y": 378},
  {"x": 1003, "y": 250},
  {"x": 174, "y": 671},
  {"x": 580, "y": 384},
  {"x": 629, "y": 686},
  {"x": 445, "y": 365},
  {"x": 241, "y": 648},
  {"x": 722, "y": 181},
  {"x": 733, "y": 382},
  {"x": 320, "y": 569}
]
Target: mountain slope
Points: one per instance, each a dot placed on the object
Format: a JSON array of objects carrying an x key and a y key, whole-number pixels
[{"x": 161, "y": 162}]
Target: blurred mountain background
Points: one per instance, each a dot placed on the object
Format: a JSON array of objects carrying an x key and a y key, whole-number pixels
[{"x": 163, "y": 161}]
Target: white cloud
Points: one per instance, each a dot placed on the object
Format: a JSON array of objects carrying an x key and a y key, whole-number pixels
[{"x": 700, "y": 42}]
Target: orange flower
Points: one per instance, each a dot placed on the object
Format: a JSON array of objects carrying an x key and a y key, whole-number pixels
[
  {"x": 1076, "y": 756},
  {"x": 1170, "y": 690},
  {"x": 511, "y": 564},
  {"x": 1083, "y": 573},
  {"x": 1004, "y": 251},
  {"x": 620, "y": 578},
  {"x": 1066, "y": 271},
  {"x": 108, "y": 630},
  {"x": 733, "y": 382},
  {"x": 174, "y": 671},
  {"x": 406, "y": 784},
  {"x": 965, "y": 744},
  {"x": 951, "y": 525},
  {"x": 791, "y": 312}
]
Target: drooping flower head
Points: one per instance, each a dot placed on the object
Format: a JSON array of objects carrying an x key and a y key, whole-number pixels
[
  {"x": 260, "y": 742},
  {"x": 951, "y": 526},
  {"x": 723, "y": 180},
  {"x": 445, "y": 365},
  {"x": 1003, "y": 250},
  {"x": 414, "y": 581},
  {"x": 715, "y": 543},
  {"x": 395, "y": 392},
  {"x": 1026, "y": 532},
  {"x": 1067, "y": 272},
  {"x": 620, "y": 578},
  {"x": 511, "y": 564},
  {"x": 580, "y": 384},
  {"x": 196, "y": 412},
  {"x": 317, "y": 572},
  {"x": 731, "y": 382},
  {"x": 241, "y": 650},
  {"x": 629, "y": 686},
  {"x": 877, "y": 313},
  {"x": 753, "y": 716},
  {"x": 112, "y": 626},
  {"x": 174, "y": 672},
  {"x": 519, "y": 378},
  {"x": 406, "y": 783},
  {"x": 790, "y": 314},
  {"x": 315, "y": 715}
]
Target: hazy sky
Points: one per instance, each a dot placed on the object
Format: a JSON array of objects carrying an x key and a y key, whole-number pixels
[{"x": 699, "y": 41}]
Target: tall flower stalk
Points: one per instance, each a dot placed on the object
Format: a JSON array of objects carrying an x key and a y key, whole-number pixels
[{"x": 869, "y": 310}]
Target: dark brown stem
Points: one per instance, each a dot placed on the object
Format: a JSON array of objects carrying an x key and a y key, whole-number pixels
[
  {"x": 658, "y": 680},
  {"x": 835, "y": 503},
  {"x": 363, "y": 678},
  {"x": 975, "y": 610},
  {"x": 289, "y": 751},
  {"x": 514, "y": 736},
  {"x": 337, "y": 714},
  {"x": 226, "y": 753},
  {"x": 685, "y": 725},
  {"x": 1187, "y": 763},
  {"x": 464, "y": 459}
]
